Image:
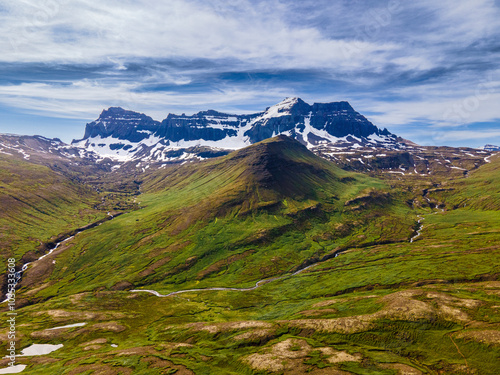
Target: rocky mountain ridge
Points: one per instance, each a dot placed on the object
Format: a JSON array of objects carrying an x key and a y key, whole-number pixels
[
  {"x": 126, "y": 135},
  {"x": 131, "y": 141}
]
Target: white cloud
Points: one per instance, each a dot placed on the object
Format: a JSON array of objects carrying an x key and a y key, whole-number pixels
[
  {"x": 89, "y": 31},
  {"x": 85, "y": 99},
  {"x": 433, "y": 111},
  {"x": 464, "y": 135}
]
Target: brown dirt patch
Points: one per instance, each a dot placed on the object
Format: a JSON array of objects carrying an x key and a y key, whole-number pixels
[
  {"x": 155, "y": 362},
  {"x": 318, "y": 312},
  {"x": 401, "y": 369},
  {"x": 453, "y": 313},
  {"x": 175, "y": 345},
  {"x": 287, "y": 356},
  {"x": 483, "y": 336},
  {"x": 489, "y": 284},
  {"x": 336, "y": 356},
  {"x": 461, "y": 302},
  {"x": 95, "y": 342},
  {"x": 493, "y": 292},
  {"x": 265, "y": 362},
  {"x": 257, "y": 334},
  {"x": 52, "y": 334},
  {"x": 139, "y": 350},
  {"x": 401, "y": 305},
  {"x": 101, "y": 369},
  {"x": 64, "y": 315},
  {"x": 122, "y": 285},
  {"x": 276, "y": 359},
  {"x": 92, "y": 347},
  {"x": 107, "y": 326},
  {"x": 229, "y": 326},
  {"x": 329, "y": 302},
  {"x": 291, "y": 348}
]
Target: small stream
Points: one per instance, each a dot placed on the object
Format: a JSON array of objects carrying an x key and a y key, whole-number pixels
[
  {"x": 257, "y": 284},
  {"x": 56, "y": 245},
  {"x": 419, "y": 230}
]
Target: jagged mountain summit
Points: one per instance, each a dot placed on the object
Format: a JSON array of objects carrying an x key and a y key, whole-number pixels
[
  {"x": 491, "y": 148},
  {"x": 126, "y": 135}
]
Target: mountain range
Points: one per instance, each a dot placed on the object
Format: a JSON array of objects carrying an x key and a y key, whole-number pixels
[
  {"x": 131, "y": 141},
  {"x": 126, "y": 135}
]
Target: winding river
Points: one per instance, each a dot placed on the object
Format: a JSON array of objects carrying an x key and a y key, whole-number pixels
[{"x": 257, "y": 284}]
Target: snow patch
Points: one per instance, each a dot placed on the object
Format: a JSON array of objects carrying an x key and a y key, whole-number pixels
[
  {"x": 67, "y": 326},
  {"x": 39, "y": 349},
  {"x": 13, "y": 369}
]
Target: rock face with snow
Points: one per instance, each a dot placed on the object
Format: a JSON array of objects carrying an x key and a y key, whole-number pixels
[
  {"x": 491, "y": 148},
  {"x": 312, "y": 124},
  {"x": 126, "y": 135},
  {"x": 119, "y": 123}
]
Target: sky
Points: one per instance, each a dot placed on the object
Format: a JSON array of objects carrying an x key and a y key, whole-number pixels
[{"x": 426, "y": 70}]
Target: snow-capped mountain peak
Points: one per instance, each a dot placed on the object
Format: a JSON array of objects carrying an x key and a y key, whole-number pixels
[
  {"x": 281, "y": 109},
  {"x": 126, "y": 135}
]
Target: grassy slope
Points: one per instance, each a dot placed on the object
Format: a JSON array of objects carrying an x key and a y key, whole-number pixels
[
  {"x": 429, "y": 307},
  {"x": 256, "y": 213},
  {"x": 479, "y": 191},
  {"x": 38, "y": 204}
]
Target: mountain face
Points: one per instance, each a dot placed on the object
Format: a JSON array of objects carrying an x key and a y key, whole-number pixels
[
  {"x": 119, "y": 123},
  {"x": 126, "y": 135},
  {"x": 491, "y": 148}
]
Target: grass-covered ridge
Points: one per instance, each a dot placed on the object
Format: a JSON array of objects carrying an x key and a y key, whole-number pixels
[
  {"x": 477, "y": 191},
  {"x": 38, "y": 205},
  {"x": 259, "y": 212}
]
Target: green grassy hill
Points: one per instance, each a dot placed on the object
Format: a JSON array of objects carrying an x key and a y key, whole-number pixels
[
  {"x": 38, "y": 205},
  {"x": 254, "y": 214},
  {"x": 35, "y": 199}
]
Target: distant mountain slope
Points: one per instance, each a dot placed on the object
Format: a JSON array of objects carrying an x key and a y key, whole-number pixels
[
  {"x": 126, "y": 135},
  {"x": 491, "y": 148},
  {"x": 479, "y": 191}
]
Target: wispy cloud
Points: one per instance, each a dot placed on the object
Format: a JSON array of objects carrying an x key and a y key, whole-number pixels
[{"x": 463, "y": 135}]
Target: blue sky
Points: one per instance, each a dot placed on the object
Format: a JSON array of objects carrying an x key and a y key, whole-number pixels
[{"x": 426, "y": 70}]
